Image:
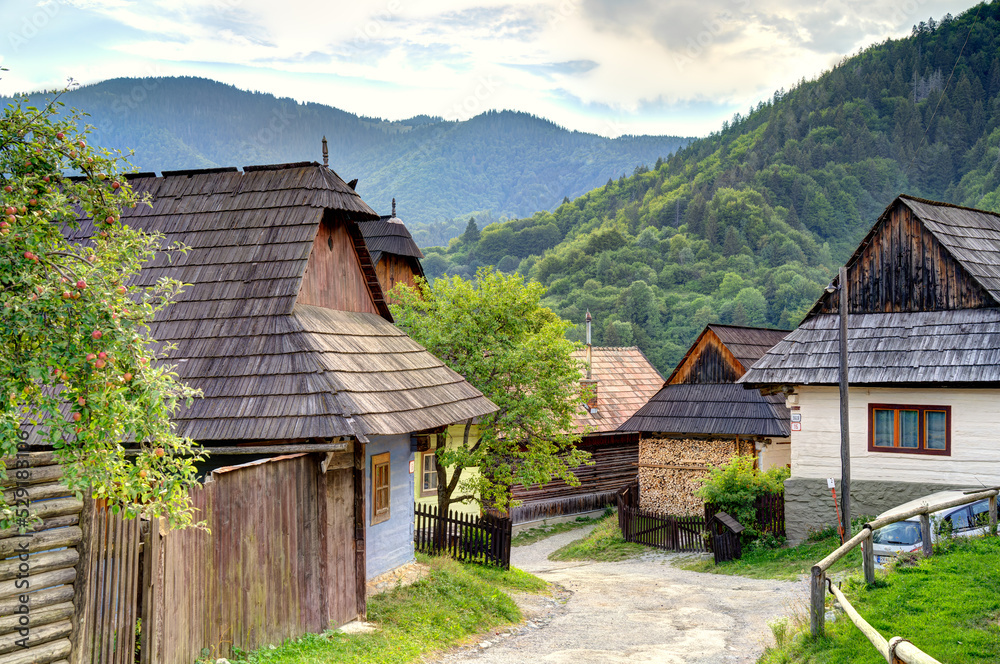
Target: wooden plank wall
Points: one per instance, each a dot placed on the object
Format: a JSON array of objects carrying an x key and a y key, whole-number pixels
[
  {"x": 393, "y": 269},
  {"x": 333, "y": 276},
  {"x": 40, "y": 563},
  {"x": 615, "y": 466},
  {"x": 279, "y": 561},
  {"x": 709, "y": 361},
  {"x": 905, "y": 268}
]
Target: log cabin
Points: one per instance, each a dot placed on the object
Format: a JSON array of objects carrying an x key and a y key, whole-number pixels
[
  {"x": 701, "y": 417},
  {"x": 923, "y": 302},
  {"x": 284, "y": 327}
]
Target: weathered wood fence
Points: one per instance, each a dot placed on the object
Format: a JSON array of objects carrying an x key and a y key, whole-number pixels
[
  {"x": 547, "y": 509},
  {"x": 673, "y": 533},
  {"x": 770, "y": 511},
  {"x": 896, "y": 648},
  {"x": 280, "y": 559},
  {"x": 464, "y": 537}
]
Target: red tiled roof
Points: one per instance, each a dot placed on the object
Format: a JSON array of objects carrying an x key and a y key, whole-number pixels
[{"x": 625, "y": 382}]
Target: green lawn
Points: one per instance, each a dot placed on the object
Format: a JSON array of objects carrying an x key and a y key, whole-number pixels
[
  {"x": 604, "y": 543},
  {"x": 783, "y": 563},
  {"x": 947, "y": 605},
  {"x": 454, "y": 602}
]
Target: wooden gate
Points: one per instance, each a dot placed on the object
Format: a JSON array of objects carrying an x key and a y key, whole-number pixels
[
  {"x": 674, "y": 533},
  {"x": 280, "y": 560},
  {"x": 107, "y": 599}
]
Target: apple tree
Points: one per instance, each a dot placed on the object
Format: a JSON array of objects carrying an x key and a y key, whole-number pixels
[
  {"x": 78, "y": 367},
  {"x": 494, "y": 332}
]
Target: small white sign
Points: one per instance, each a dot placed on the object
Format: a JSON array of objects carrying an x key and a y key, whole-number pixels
[
  {"x": 796, "y": 426},
  {"x": 796, "y": 417},
  {"x": 830, "y": 484},
  {"x": 411, "y": 466}
]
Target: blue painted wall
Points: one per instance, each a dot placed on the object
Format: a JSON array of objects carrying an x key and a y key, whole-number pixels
[{"x": 390, "y": 544}]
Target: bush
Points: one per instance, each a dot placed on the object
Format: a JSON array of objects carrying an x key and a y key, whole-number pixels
[{"x": 734, "y": 488}]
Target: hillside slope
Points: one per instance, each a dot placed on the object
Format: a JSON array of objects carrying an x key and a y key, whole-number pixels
[
  {"x": 437, "y": 170},
  {"x": 746, "y": 226}
]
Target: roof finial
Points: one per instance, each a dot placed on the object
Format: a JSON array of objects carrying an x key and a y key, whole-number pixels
[
  {"x": 326, "y": 154},
  {"x": 394, "y": 207},
  {"x": 589, "y": 353}
]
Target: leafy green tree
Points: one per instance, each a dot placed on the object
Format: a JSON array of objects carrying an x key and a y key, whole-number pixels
[
  {"x": 76, "y": 358},
  {"x": 493, "y": 331}
]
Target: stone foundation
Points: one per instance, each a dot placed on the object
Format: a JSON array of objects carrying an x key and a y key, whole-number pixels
[{"x": 809, "y": 505}]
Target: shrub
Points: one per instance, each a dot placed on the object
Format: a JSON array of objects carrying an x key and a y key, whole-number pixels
[{"x": 734, "y": 488}]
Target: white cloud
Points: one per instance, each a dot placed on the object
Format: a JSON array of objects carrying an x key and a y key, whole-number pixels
[{"x": 638, "y": 66}]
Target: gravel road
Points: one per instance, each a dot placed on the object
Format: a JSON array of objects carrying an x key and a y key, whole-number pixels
[{"x": 639, "y": 610}]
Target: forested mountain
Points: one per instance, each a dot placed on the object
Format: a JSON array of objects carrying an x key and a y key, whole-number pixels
[
  {"x": 508, "y": 164},
  {"x": 747, "y": 225}
]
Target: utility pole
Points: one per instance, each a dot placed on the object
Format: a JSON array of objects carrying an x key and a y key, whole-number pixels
[{"x": 845, "y": 431}]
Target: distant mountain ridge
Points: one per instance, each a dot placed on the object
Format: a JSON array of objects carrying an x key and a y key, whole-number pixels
[
  {"x": 508, "y": 163},
  {"x": 747, "y": 225}
]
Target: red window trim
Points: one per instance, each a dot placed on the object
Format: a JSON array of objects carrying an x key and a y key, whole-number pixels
[{"x": 872, "y": 407}]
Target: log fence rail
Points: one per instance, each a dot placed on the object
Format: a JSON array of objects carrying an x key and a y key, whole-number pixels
[{"x": 895, "y": 649}]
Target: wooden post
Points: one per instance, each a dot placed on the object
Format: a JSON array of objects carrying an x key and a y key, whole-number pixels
[
  {"x": 845, "y": 430},
  {"x": 868, "y": 559},
  {"x": 817, "y": 603},
  {"x": 81, "y": 637},
  {"x": 360, "y": 566},
  {"x": 925, "y": 535},
  {"x": 993, "y": 515}
]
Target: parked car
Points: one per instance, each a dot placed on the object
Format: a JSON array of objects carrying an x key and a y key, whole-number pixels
[{"x": 904, "y": 536}]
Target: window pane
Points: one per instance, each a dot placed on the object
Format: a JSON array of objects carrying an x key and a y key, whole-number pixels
[
  {"x": 909, "y": 429},
  {"x": 430, "y": 478},
  {"x": 884, "y": 427},
  {"x": 937, "y": 429}
]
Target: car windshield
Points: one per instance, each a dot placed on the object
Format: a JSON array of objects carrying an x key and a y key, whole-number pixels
[{"x": 901, "y": 532}]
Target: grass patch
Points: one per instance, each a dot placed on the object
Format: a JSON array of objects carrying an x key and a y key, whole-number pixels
[
  {"x": 532, "y": 535},
  {"x": 604, "y": 543},
  {"x": 787, "y": 563},
  {"x": 947, "y": 605},
  {"x": 453, "y": 603}
]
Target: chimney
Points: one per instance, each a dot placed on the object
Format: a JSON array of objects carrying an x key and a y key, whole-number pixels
[
  {"x": 590, "y": 382},
  {"x": 394, "y": 207},
  {"x": 326, "y": 154}
]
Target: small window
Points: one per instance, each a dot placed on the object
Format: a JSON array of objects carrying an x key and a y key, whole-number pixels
[
  {"x": 429, "y": 476},
  {"x": 380, "y": 488},
  {"x": 911, "y": 429}
]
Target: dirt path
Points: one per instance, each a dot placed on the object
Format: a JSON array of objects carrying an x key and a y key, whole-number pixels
[{"x": 640, "y": 610}]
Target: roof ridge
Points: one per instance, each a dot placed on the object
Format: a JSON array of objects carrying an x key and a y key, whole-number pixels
[{"x": 943, "y": 204}]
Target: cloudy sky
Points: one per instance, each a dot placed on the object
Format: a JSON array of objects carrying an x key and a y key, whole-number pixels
[{"x": 606, "y": 66}]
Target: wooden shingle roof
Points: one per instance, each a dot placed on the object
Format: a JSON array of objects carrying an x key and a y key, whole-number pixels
[
  {"x": 747, "y": 344},
  {"x": 924, "y": 289},
  {"x": 390, "y": 236},
  {"x": 626, "y": 380},
  {"x": 927, "y": 347},
  {"x": 271, "y": 369},
  {"x": 700, "y": 397},
  {"x": 722, "y": 409}
]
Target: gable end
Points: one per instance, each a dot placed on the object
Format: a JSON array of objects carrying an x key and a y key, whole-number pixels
[
  {"x": 902, "y": 267},
  {"x": 708, "y": 361}
]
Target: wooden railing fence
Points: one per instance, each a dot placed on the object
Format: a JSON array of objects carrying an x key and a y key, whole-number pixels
[
  {"x": 896, "y": 648},
  {"x": 464, "y": 537},
  {"x": 674, "y": 533}
]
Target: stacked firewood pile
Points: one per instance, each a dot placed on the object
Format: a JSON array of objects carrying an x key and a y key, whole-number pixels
[{"x": 669, "y": 471}]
